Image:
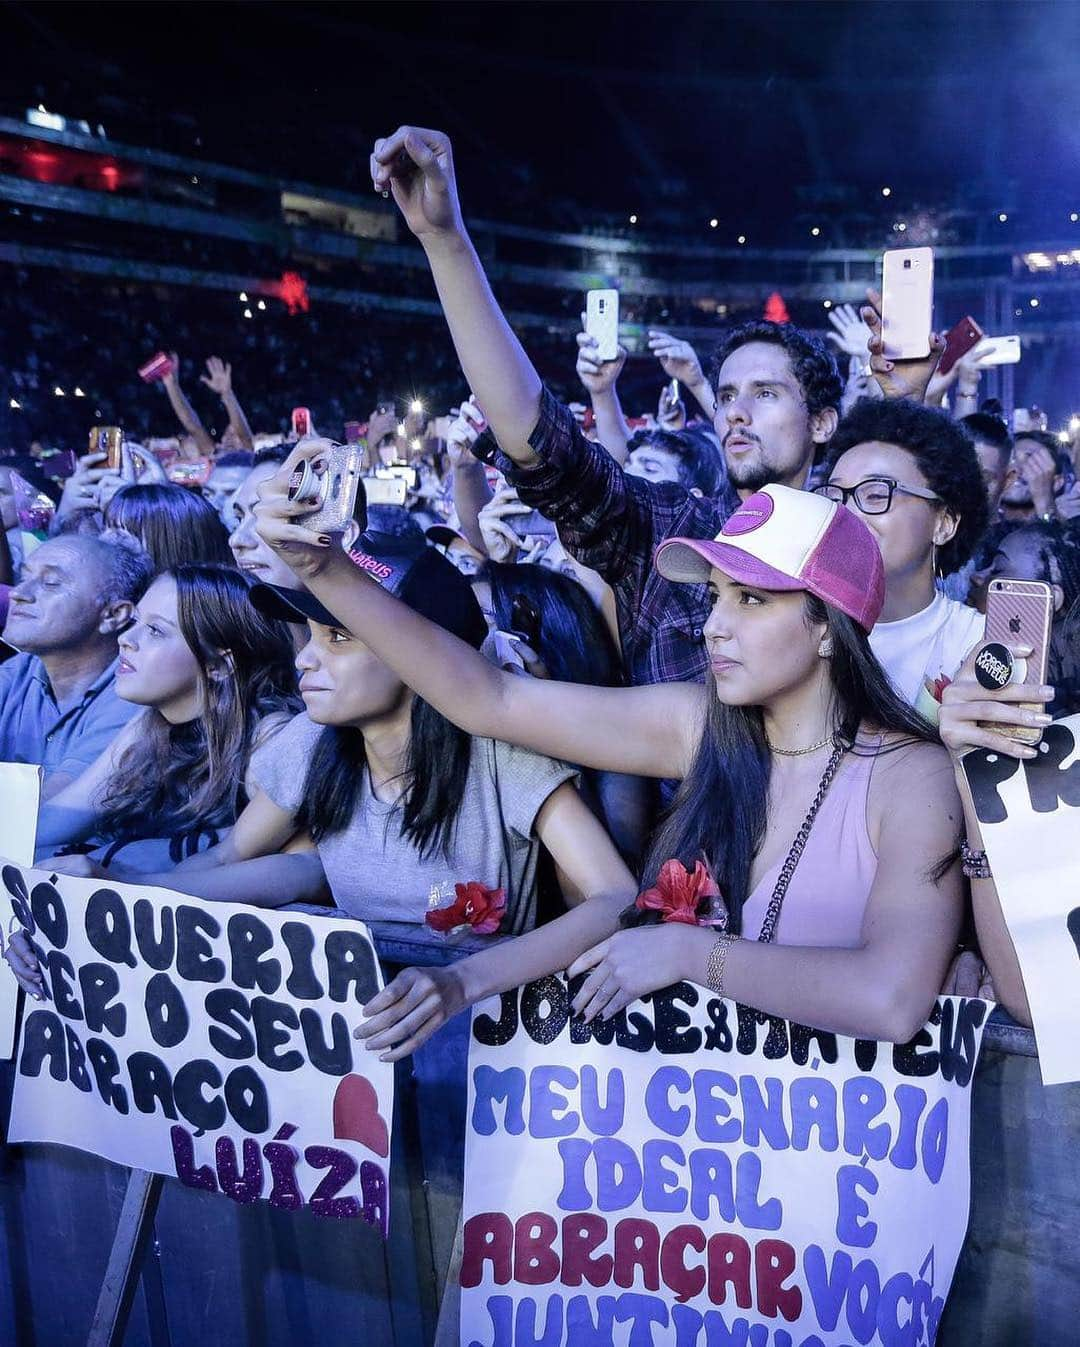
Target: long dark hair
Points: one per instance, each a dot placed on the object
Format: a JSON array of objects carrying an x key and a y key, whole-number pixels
[
  {"x": 571, "y": 637},
  {"x": 176, "y": 526},
  {"x": 436, "y": 773},
  {"x": 720, "y": 810},
  {"x": 188, "y": 778}
]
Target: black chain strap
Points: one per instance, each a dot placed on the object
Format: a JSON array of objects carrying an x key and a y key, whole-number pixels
[{"x": 787, "y": 870}]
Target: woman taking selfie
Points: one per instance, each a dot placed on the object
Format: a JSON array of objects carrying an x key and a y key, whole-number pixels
[
  {"x": 215, "y": 677},
  {"x": 848, "y": 927}
]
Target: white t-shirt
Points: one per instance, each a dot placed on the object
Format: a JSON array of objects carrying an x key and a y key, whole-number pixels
[{"x": 916, "y": 651}]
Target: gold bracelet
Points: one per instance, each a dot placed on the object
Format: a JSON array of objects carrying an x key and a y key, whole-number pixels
[{"x": 714, "y": 969}]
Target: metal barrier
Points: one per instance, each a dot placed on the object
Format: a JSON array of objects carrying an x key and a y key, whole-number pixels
[{"x": 216, "y": 1273}]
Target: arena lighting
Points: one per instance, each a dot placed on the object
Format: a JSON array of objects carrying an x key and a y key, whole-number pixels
[
  {"x": 243, "y": 296},
  {"x": 58, "y": 392},
  {"x": 713, "y": 222},
  {"x": 1002, "y": 218},
  {"x": 1074, "y": 217},
  {"x": 741, "y": 239},
  {"x": 293, "y": 292},
  {"x": 248, "y": 313},
  {"x": 827, "y": 303},
  {"x": 416, "y": 445},
  {"x": 815, "y": 232},
  {"x": 416, "y": 406},
  {"x": 15, "y": 405},
  {"x": 79, "y": 393},
  {"x": 1063, "y": 436},
  {"x": 633, "y": 219},
  {"x": 1034, "y": 303},
  {"x": 886, "y": 191},
  {"x": 261, "y": 304},
  {"x": 1074, "y": 424},
  {"x": 902, "y": 227},
  {"x": 401, "y": 430}
]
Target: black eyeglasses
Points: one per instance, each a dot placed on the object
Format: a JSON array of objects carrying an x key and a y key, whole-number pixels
[{"x": 873, "y": 495}]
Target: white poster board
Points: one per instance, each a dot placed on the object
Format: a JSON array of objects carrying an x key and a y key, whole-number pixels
[
  {"x": 20, "y": 795},
  {"x": 207, "y": 1041},
  {"x": 1029, "y": 817},
  {"x": 695, "y": 1173}
]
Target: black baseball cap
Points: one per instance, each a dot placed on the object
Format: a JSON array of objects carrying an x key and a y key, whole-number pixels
[{"x": 406, "y": 566}]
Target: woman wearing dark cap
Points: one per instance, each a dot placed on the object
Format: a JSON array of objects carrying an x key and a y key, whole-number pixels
[
  {"x": 397, "y": 803},
  {"x": 819, "y": 802}
]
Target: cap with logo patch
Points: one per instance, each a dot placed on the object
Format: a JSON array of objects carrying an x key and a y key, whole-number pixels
[
  {"x": 784, "y": 539},
  {"x": 406, "y": 566}
]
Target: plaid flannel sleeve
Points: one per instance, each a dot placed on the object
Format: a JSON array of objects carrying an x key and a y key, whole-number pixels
[{"x": 604, "y": 520}]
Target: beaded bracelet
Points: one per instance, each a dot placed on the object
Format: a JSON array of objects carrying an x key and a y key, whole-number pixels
[
  {"x": 714, "y": 969},
  {"x": 974, "y": 863}
]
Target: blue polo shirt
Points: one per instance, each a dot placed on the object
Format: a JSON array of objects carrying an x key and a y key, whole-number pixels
[{"x": 33, "y": 728}]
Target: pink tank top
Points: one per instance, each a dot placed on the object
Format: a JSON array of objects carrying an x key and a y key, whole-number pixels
[{"x": 826, "y": 899}]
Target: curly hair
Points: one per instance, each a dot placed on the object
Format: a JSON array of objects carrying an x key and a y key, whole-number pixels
[
  {"x": 813, "y": 363},
  {"x": 944, "y": 453}
]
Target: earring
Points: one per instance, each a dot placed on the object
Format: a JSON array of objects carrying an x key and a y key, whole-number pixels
[{"x": 825, "y": 648}]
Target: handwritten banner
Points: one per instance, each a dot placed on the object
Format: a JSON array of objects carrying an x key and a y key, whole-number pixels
[
  {"x": 1029, "y": 817},
  {"x": 698, "y": 1174},
  {"x": 208, "y": 1041},
  {"x": 20, "y": 792}
]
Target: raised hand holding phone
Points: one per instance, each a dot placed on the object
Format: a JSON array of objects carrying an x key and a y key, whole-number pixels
[
  {"x": 287, "y": 505},
  {"x": 596, "y": 374},
  {"x": 899, "y": 377}
]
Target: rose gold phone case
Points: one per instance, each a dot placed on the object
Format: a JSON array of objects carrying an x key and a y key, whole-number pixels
[{"x": 1019, "y": 612}]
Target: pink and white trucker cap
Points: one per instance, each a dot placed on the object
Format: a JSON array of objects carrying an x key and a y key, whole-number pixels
[{"x": 785, "y": 539}]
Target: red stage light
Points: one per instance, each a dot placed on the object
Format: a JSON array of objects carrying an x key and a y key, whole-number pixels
[{"x": 293, "y": 290}]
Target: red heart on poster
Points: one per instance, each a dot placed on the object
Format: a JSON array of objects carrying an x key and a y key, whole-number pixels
[{"x": 357, "y": 1117}]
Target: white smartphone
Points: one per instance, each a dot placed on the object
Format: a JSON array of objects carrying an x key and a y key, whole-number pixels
[
  {"x": 998, "y": 351},
  {"x": 385, "y": 490},
  {"x": 602, "y": 321},
  {"x": 907, "y": 302}
]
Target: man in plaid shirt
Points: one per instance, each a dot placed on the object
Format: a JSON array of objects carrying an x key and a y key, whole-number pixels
[{"x": 777, "y": 389}]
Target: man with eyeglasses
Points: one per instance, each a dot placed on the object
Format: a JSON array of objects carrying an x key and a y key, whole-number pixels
[{"x": 913, "y": 476}]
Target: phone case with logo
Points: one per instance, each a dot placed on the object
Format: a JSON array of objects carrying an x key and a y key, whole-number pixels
[{"x": 1019, "y": 612}]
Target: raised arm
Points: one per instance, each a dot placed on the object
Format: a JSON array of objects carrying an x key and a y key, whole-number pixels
[
  {"x": 647, "y": 731},
  {"x": 470, "y": 484},
  {"x": 416, "y": 166},
  {"x": 185, "y": 412},
  {"x": 969, "y": 715},
  {"x": 218, "y": 377},
  {"x": 680, "y": 361},
  {"x": 600, "y": 377}
]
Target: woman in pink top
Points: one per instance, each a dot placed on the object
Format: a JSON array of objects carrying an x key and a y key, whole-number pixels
[{"x": 797, "y": 739}]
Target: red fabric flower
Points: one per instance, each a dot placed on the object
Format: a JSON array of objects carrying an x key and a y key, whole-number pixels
[
  {"x": 475, "y": 905},
  {"x": 937, "y": 686},
  {"x": 677, "y": 893}
]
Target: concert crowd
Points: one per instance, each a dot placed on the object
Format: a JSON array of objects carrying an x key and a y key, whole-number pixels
[{"x": 645, "y": 693}]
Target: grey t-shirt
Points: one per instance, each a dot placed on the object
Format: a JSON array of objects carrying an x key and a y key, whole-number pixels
[{"x": 376, "y": 874}]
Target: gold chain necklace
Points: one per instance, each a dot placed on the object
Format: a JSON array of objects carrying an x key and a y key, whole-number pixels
[{"x": 798, "y": 752}]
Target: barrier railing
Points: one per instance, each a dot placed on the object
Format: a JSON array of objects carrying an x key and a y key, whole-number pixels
[{"x": 210, "y": 1272}]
